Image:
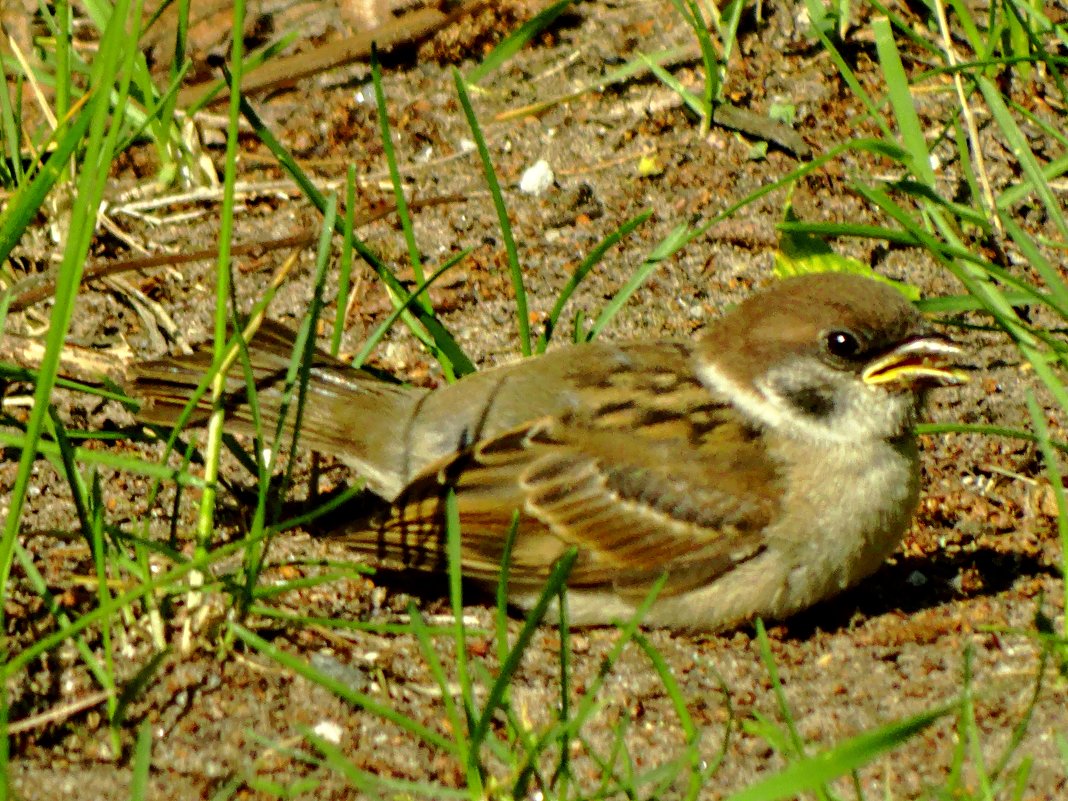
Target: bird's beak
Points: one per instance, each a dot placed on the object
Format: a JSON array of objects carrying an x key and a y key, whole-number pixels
[{"x": 924, "y": 360}]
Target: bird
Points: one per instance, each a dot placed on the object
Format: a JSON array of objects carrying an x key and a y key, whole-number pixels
[{"x": 765, "y": 465}]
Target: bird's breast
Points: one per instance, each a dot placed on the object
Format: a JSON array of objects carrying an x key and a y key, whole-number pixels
[{"x": 845, "y": 511}]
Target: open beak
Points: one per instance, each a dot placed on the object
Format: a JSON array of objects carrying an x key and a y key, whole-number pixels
[{"x": 924, "y": 360}]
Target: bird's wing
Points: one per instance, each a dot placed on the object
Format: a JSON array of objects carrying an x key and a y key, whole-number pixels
[{"x": 688, "y": 493}]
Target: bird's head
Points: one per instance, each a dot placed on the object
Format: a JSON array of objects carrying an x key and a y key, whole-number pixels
[{"x": 832, "y": 356}]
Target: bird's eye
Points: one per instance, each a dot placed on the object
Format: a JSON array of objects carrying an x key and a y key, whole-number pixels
[{"x": 842, "y": 344}]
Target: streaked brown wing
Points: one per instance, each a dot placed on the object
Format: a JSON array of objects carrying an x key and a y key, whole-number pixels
[
  {"x": 678, "y": 496},
  {"x": 652, "y": 513}
]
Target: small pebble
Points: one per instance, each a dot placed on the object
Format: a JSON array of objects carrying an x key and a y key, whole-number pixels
[
  {"x": 537, "y": 179},
  {"x": 329, "y": 731}
]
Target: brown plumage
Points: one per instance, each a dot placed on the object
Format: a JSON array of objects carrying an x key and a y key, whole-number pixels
[{"x": 763, "y": 467}]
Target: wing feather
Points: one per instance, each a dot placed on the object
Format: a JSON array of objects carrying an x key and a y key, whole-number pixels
[{"x": 634, "y": 509}]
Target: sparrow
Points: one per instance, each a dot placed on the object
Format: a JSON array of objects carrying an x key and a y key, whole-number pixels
[{"x": 765, "y": 466}]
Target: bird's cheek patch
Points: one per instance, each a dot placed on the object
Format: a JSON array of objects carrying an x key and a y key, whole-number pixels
[{"x": 811, "y": 401}]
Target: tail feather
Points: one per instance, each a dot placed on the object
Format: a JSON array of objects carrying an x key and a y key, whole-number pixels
[
  {"x": 346, "y": 412},
  {"x": 167, "y": 384}
]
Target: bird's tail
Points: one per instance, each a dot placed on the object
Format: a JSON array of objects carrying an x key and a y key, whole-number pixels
[{"x": 345, "y": 412}]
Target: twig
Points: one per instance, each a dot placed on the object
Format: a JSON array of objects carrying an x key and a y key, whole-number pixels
[
  {"x": 288, "y": 70},
  {"x": 40, "y": 287},
  {"x": 969, "y": 122},
  {"x": 58, "y": 713}
]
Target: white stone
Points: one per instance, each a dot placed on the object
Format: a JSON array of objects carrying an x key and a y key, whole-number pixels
[
  {"x": 329, "y": 731},
  {"x": 537, "y": 178}
]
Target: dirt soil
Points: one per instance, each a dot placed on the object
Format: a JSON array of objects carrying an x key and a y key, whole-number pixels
[{"x": 978, "y": 565}]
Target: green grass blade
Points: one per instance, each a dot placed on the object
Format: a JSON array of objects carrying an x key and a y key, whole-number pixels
[
  {"x": 426, "y": 328},
  {"x": 816, "y": 11},
  {"x": 627, "y": 631},
  {"x": 516, "y": 41},
  {"x": 92, "y": 456},
  {"x": 112, "y": 66},
  {"x": 205, "y": 523},
  {"x": 1056, "y": 478},
  {"x": 340, "y": 689},
  {"x": 165, "y": 581},
  {"x": 1052, "y": 276},
  {"x": 28, "y": 198},
  {"x": 345, "y": 624},
  {"x": 1022, "y": 150},
  {"x": 11, "y": 141},
  {"x": 796, "y": 744},
  {"x": 692, "y": 757},
  {"x": 712, "y": 91},
  {"x": 142, "y": 762},
  {"x": 556, "y": 581},
  {"x": 372, "y": 341},
  {"x": 900, "y": 95},
  {"x": 394, "y": 175},
  {"x": 692, "y": 101},
  {"x": 677, "y": 238},
  {"x": 460, "y": 727},
  {"x": 344, "y": 279},
  {"x": 454, "y": 550},
  {"x": 583, "y": 270},
  {"x": 812, "y": 773},
  {"x": 502, "y": 589},
  {"x": 522, "y": 317},
  {"x": 378, "y": 785}
]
